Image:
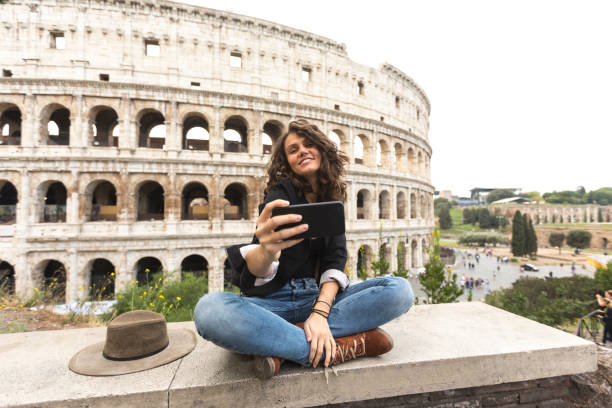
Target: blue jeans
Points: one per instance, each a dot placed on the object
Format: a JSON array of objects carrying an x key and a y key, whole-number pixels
[{"x": 265, "y": 325}]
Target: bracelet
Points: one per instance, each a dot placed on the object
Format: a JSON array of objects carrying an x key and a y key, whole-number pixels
[
  {"x": 322, "y": 301},
  {"x": 320, "y": 313}
]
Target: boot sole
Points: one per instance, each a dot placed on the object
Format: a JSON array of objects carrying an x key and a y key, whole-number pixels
[{"x": 264, "y": 367}]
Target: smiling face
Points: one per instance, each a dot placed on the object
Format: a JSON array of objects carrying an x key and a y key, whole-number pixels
[{"x": 303, "y": 157}]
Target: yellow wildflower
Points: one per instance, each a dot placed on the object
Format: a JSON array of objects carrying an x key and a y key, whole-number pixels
[
  {"x": 139, "y": 297},
  {"x": 170, "y": 307},
  {"x": 161, "y": 296},
  {"x": 160, "y": 279},
  {"x": 120, "y": 297},
  {"x": 112, "y": 273},
  {"x": 35, "y": 289},
  {"x": 151, "y": 304},
  {"x": 147, "y": 270},
  {"x": 145, "y": 293},
  {"x": 178, "y": 298},
  {"x": 132, "y": 282}
]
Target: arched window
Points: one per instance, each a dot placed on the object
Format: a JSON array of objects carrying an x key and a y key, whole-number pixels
[{"x": 150, "y": 201}]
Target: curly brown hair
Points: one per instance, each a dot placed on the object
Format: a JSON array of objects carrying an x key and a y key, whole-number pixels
[{"x": 332, "y": 186}]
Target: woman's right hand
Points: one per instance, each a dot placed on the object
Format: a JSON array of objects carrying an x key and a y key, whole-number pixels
[{"x": 271, "y": 241}]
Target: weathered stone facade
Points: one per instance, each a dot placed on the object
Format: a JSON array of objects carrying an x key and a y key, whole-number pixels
[
  {"x": 97, "y": 102},
  {"x": 557, "y": 214}
]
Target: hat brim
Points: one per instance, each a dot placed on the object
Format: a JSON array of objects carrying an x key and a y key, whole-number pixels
[{"x": 90, "y": 361}]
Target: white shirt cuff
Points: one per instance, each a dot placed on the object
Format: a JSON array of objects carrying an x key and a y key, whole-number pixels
[
  {"x": 334, "y": 275},
  {"x": 271, "y": 271}
]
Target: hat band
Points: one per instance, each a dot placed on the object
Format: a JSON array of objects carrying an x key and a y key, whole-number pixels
[{"x": 137, "y": 357}]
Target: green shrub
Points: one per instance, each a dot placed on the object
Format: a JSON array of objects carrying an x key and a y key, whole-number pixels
[
  {"x": 551, "y": 301},
  {"x": 175, "y": 300},
  {"x": 483, "y": 238}
]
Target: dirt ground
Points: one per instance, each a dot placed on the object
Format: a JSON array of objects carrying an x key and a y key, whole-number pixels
[
  {"x": 20, "y": 319},
  {"x": 548, "y": 256}
]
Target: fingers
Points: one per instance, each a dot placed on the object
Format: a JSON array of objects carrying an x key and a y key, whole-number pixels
[
  {"x": 267, "y": 211},
  {"x": 307, "y": 332},
  {"x": 329, "y": 347},
  {"x": 319, "y": 354},
  {"x": 313, "y": 350}
]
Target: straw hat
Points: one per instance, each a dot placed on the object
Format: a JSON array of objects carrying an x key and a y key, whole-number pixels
[{"x": 135, "y": 341}]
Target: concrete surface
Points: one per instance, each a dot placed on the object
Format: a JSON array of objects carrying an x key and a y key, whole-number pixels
[{"x": 437, "y": 347}]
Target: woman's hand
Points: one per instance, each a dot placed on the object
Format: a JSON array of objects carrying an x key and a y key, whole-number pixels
[
  {"x": 271, "y": 241},
  {"x": 320, "y": 338}
]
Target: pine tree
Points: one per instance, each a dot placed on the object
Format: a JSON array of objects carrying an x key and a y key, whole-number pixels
[
  {"x": 527, "y": 237},
  {"x": 599, "y": 215},
  {"x": 437, "y": 287},
  {"x": 444, "y": 217},
  {"x": 532, "y": 240},
  {"x": 518, "y": 235}
]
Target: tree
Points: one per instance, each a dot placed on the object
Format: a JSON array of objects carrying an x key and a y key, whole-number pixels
[
  {"x": 579, "y": 239},
  {"x": 499, "y": 194},
  {"x": 556, "y": 239},
  {"x": 439, "y": 286},
  {"x": 445, "y": 219},
  {"x": 401, "y": 270},
  {"x": 599, "y": 215},
  {"x": 362, "y": 272},
  {"x": 518, "y": 235},
  {"x": 439, "y": 203},
  {"x": 380, "y": 265},
  {"x": 531, "y": 243},
  {"x": 484, "y": 218}
]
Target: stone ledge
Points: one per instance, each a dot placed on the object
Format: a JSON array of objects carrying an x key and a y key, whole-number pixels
[{"x": 438, "y": 348}]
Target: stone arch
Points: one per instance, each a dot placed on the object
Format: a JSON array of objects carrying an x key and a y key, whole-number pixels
[
  {"x": 194, "y": 202},
  {"x": 100, "y": 273},
  {"x": 195, "y": 264},
  {"x": 359, "y": 149},
  {"x": 7, "y": 278},
  {"x": 235, "y": 134},
  {"x": 151, "y": 129},
  {"x": 339, "y": 139},
  {"x": 55, "y": 124},
  {"x": 382, "y": 154},
  {"x": 50, "y": 204},
  {"x": 149, "y": 201},
  {"x": 423, "y": 207},
  {"x": 399, "y": 156},
  {"x": 420, "y": 163},
  {"x": 10, "y": 124},
  {"x": 400, "y": 204},
  {"x": 384, "y": 205},
  {"x": 272, "y": 131},
  {"x": 100, "y": 203},
  {"x": 364, "y": 204},
  {"x": 103, "y": 129},
  {"x": 50, "y": 275},
  {"x": 196, "y": 130},
  {"x": 411, "y": 160},
  {"x": 413, "y": 206},
  {"x": 235, "y": 203},
  {"x": 414, "y": 252},
  {"x": 145, "y": 268},
  {"x": 364, "y": 259},
  {"x": 8, "y": 202},
  {"x": 424, "y": 247},
  {"x": 387, "y": 253}
]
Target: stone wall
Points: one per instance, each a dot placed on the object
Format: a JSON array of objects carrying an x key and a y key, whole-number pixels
[{"x": 87, "y": 178}]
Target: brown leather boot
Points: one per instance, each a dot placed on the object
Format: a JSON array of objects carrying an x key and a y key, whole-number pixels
[
  {"x": 365, "y": 344},
  {"x": 267, "y": 367}
]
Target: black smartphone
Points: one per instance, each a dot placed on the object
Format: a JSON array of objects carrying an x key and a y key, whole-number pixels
[{"x": 323, "y": 219}]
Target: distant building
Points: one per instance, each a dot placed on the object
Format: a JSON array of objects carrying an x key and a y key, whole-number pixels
[
  {"x": 480, "y": 194},
  {"x": 513, "y": 200}
]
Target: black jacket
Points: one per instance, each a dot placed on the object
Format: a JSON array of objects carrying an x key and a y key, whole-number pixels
[{"x": 298, "y": 261}]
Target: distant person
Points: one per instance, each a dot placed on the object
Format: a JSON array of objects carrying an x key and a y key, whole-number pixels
[{"x": 550, "y": 274}]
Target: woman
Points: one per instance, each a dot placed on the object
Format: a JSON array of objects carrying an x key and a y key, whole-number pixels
[{"x": 287, "y": 309}]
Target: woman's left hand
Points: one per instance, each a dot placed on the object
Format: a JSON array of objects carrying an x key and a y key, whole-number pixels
[{"x": 320, "y": 338}]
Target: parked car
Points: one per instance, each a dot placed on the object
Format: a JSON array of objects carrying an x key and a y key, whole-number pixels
[{"x": 529, "y": 267}]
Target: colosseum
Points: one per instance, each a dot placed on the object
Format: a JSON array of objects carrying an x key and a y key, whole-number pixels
[{"x": 135, "y": 135}]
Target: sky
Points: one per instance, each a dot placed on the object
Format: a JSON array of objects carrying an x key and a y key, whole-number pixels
[{"x": 521, "y": 91}]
